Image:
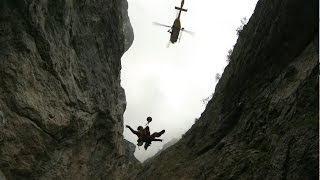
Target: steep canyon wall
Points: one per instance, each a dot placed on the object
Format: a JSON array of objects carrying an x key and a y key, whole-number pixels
[
  {"x": 61, "y": 103},
  {"x": 263, "y": 119}
]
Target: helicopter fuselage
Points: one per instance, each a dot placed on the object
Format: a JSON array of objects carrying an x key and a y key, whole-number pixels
[{"x": 175, "y": 30}]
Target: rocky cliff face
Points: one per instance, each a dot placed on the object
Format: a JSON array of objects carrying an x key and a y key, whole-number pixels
[
  {"x": 262, "y": 122},
  {"x": 61, "y": 103}
]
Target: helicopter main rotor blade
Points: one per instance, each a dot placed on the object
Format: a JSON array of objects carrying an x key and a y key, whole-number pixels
[
  {"x": 180, "y": 36},
  {"x": 158, "y": 24},
  {"x": 189, "y": 32},
  {"x": 168, "y": 44}
]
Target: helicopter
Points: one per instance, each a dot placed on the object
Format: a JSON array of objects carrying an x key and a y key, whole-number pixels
[{"x": 176, "y": 27}]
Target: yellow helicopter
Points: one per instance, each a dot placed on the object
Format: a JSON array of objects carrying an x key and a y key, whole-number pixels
[{"x": 176, "y": 27}]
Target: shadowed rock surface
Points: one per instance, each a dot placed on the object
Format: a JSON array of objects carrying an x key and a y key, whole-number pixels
[
  {"x": 61, "y": 103},
  {"x": 262, "y": 122}
]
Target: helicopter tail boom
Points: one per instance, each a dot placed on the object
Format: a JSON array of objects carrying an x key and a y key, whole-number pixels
[{"x": 185, "y": 10}]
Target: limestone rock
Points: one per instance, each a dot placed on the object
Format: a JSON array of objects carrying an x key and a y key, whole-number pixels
[{"x": 61, "y": 103}]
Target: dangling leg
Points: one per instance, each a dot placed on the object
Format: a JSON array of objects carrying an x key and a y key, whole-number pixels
[
  {"x": 147, "y": 144},
  {"x": 157, "y": 134}
]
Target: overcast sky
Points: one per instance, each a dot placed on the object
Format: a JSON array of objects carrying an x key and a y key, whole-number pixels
[{"x": 169, "y": 84}]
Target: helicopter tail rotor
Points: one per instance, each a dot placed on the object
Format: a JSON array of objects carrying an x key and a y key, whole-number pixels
[
  {"x": 181, "y": 5},
  {"x": 177, "y": 8}
]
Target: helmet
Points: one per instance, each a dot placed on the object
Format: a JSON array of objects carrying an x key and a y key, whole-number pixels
[
  {"x": 149, "y": 119},
  {"x": 140, "y": 143}
]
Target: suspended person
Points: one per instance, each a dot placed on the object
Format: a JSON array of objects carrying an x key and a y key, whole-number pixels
[{"x": 144, "y": 135}]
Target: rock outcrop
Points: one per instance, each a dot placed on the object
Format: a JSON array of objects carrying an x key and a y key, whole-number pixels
[
  {"x": 263, "y": 121},
  {"x": 61, "y": 103}
]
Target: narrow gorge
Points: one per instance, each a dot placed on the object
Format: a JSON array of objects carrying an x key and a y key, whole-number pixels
[{"x": 62, "y": 106}]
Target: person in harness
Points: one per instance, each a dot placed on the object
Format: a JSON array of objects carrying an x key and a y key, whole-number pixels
[{"x": 144, "y": 134}]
